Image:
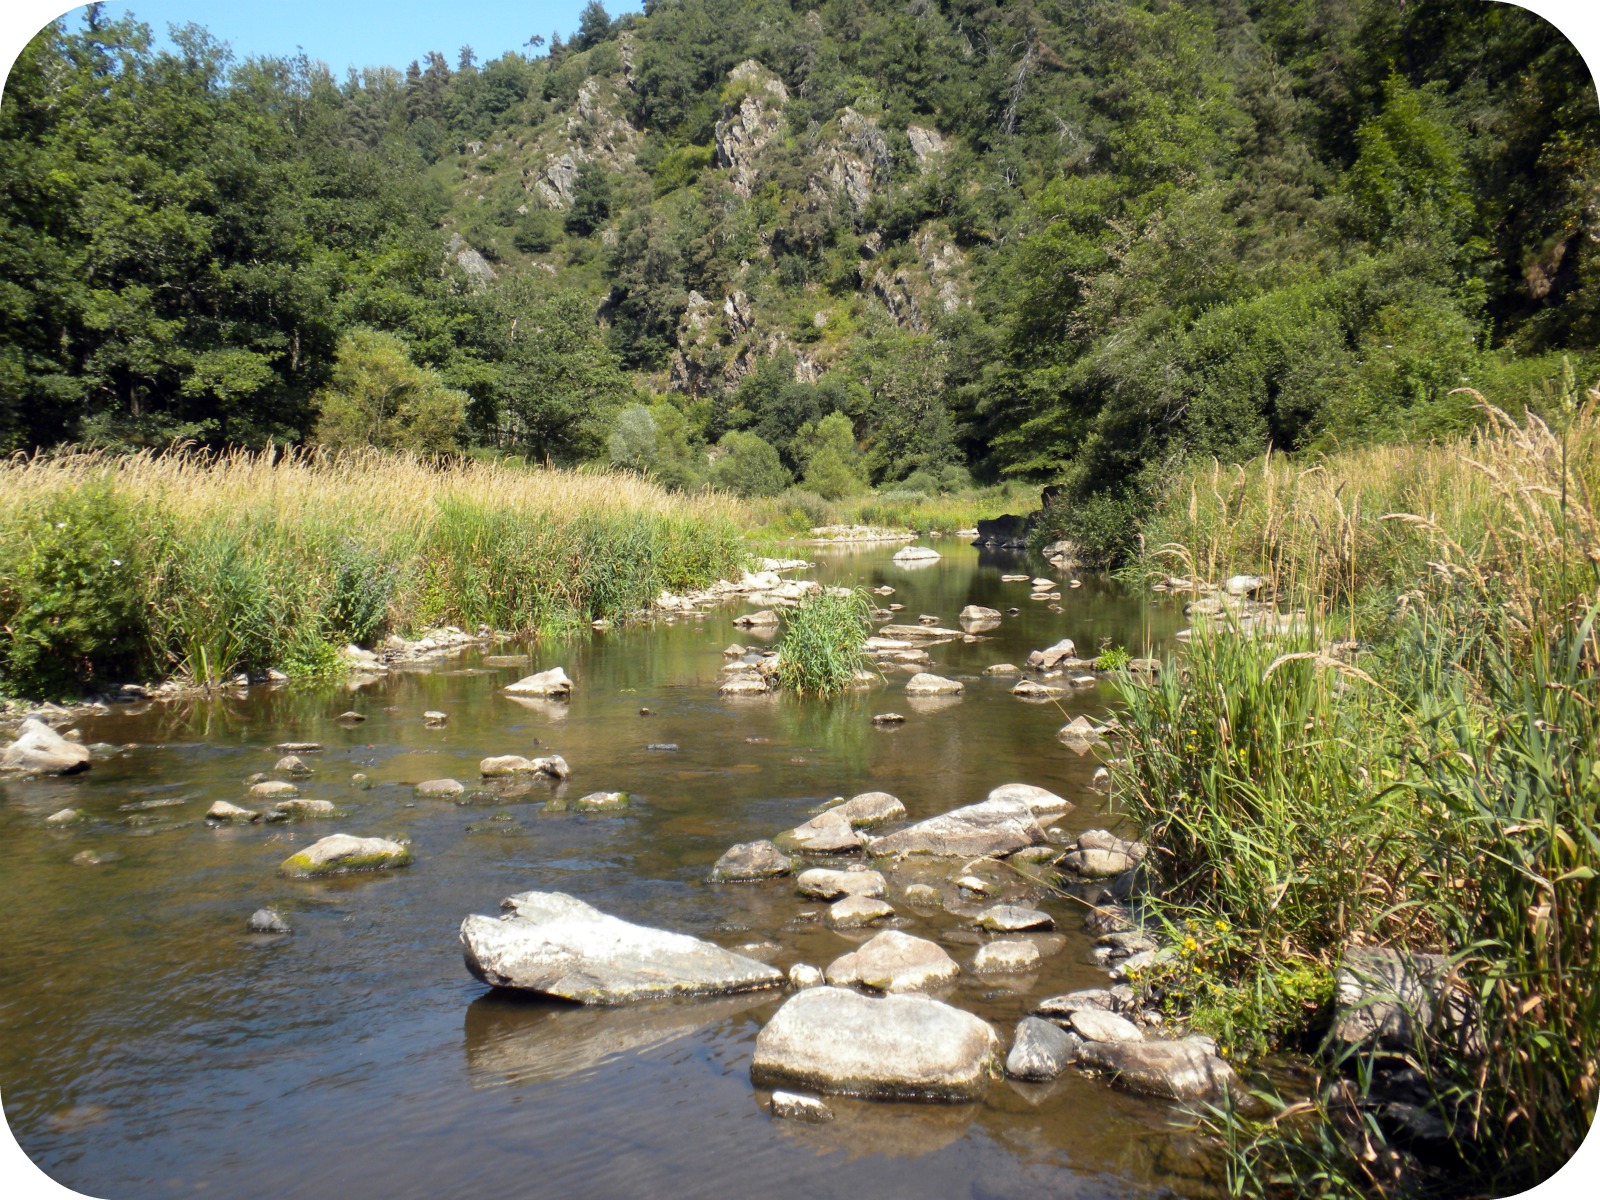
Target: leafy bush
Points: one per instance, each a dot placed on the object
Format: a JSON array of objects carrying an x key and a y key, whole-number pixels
[
  {"x": 1112, "y": 658},
  {"x": 362, "y": 587},
  {"x": 71, "y": 598},
  {"x": 749, "y": 466}
]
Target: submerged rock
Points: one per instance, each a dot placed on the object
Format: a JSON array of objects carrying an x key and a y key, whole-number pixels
[
  {"x": 1040, "y": 1051},
  {"x": 749, "y": 861},
  {"x": 273, "y": 789},
  {"x": 266, "y": 920},
  {"x": 342, "y": 854},
  {"x": 1177, "y": 1070},
  {"x": 602, "y": 802},
  {"x": 40, "y": 750},
  {"x": 552, "y": 683},
  {"x": 300, "y": 809},
  {"x": 292, "y": 764},
  {"x": 502, "y": 765},
  {"x": 894, "y": 1047},
  {"x": 894, "y": 962},
  {"x": 1013, "y": 918},
  {"x": 65, "y": 816},
  {"x": 557, "y": 945},
  {"x": 795, "y": 1107},
  {"x": 225, "y": 813},
  {"x": 440, "y": 789}
]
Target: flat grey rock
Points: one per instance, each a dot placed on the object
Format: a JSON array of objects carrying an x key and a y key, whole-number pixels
[
  {"x": 1041, "y": 802},
  {"x": 557, "y": 945},
  {"x": 820, "y": 883},
  {"x": 439, "y": 789},
  {"x": 1008, "y": 956},
  {"x": 1097, "y": 1025},
  {"x": 831, "y": 1039},
  {"x": 925, "y": 684},
  {"x": 990, "y": 827},
  {"x": 1014, "y": 918},
  {"x": 266, "y": 920},
  {"x": 502, "y": 765}
]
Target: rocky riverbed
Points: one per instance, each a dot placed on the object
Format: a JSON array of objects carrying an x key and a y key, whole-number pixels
[{"x": 234, "y": 1012}]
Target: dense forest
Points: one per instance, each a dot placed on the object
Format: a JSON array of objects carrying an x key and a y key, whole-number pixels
[{"x": 825, "y": 245}]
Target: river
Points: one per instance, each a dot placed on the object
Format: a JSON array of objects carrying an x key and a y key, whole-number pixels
[{"x": 151, "y": 1047}]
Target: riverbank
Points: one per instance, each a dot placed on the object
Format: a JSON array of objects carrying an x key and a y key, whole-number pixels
[
  {"x": 1411, "y": 764},
  {"x": 202, "y": 567}
]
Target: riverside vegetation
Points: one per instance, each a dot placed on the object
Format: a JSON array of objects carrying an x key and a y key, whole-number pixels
[
  {"x": 1417, "y": 767},
  {"x": 117, "y": 568}
]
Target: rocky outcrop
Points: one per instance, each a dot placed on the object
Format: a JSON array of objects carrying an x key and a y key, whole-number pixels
[
  {"x": 1390, "y": 999},
  {"x": 925, "y": 143},
  {"x": 556, "y": 945},
  {"x": 831, "y": 1039},
  {"x": 743, "y": 132},
  {"x": 40, "y": 750}
]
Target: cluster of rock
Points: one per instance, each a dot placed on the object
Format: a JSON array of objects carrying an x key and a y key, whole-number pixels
[{"x": 399, "y": 652}]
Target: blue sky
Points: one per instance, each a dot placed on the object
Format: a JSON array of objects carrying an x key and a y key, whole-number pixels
[{"x": 364, "y": 33}]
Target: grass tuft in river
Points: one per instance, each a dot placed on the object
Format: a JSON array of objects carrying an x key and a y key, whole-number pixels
[{"x": 824, "y": 643}]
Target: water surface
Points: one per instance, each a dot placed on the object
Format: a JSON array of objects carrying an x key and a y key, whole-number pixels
[{"x": 150, "y": 1047}]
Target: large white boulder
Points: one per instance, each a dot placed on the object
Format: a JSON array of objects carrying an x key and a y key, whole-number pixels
[
  {"x": 40, "y": 750},
  {"x": 831, "y": 1039},
  {"x": 555, "y": 944},
  {"x": 553, "y": 682}
]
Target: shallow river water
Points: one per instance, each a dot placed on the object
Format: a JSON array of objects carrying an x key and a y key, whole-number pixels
[{"x": 150, "y": 1047}]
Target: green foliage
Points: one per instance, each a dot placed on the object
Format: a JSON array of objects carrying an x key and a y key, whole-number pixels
[
  {"x": 591, "y": 200},
  {"x": 823, "y": 645},
  {"x": 749, "y": 466},
  {"x": 378, "y": 397},
  {"x": 71, "y": 598},
  {"x": 833, "y": 466},
  {"x": 1112, "y": 658}
]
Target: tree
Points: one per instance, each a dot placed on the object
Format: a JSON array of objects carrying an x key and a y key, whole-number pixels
[
  {"x": 591, "y": 199},
  {"x": 749, "y": 466},
  {"x": 378, "y": 397},
  {"x": 594, "y": 26},
  {"x": 554, "y": 386},
  {"x": 833, "y": 466}
]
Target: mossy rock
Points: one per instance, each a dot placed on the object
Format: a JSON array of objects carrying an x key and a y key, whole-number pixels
[{"x": 341, "y": 854}]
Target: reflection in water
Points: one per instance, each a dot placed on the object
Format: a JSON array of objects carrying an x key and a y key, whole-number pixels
[
  {"x": 878, "y": 1127},
  {"x": 520, "y": 1040}
]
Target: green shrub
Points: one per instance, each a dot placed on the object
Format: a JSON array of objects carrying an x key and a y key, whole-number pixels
[
  {"x": 749, "y": 466},
  {"x": 362, "y": 587},
  {"x": 71, "y": 597},
  {"x": 824, "y": 643}
]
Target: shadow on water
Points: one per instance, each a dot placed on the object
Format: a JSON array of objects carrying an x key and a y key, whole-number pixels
[{"x": 150, "y": 1046}]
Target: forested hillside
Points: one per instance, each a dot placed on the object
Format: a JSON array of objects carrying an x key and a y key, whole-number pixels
[{"x": 836, "y": 243}]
